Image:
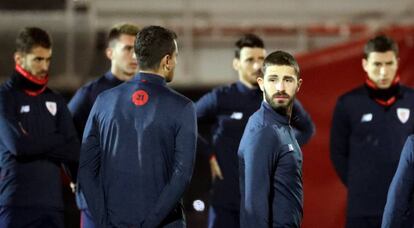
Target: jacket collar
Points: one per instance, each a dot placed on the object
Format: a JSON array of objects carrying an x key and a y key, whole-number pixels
[
  {"x": 152, "y": 78},
  {"x": 273, "y": 115}
]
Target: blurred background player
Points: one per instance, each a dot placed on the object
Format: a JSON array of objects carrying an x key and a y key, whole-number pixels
[
  {"x": 37, "y": 135},
  {"x": 369, "y": 127},
  {"x": 124, "y": 66}
]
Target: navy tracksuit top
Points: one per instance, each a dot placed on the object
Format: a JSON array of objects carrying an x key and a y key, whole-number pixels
[
  {"x": 137, "y": 154},
  {"x": 397, "y": 210},
  {"x": 270, "y": 162},
  {"x": 228, "y": 108},
  {"x": 36, "y": 136},
  {"x": 81, "y": 104},
  {"x": 366, "y": 142}
]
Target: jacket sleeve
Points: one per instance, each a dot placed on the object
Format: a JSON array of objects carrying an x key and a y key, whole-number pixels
[
  {"x": 401, "y": 188},
  {"x": 206, "y": 110},
  {"x": 302, "y": 124},
  {"x": 257, "y": 155},
  {"x": 80, "y": 106},
  {"x": 90, "y": 174},
  {"x": 206, "y": 107},
  {"x": 68, "y": 151},
  {"x": 340, "y": 133},
  {"x": 14, "y": 137},
  {"x": 184, "y": 154}
]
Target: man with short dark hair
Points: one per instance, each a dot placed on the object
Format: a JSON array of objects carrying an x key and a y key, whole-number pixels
[
  {"x": 37, "y": 135},
  {"x": 270, "y": 158},
  {"x": 124, "y": 66},
  {"x": 369, "y": 127},
  {"x": 139, "y": 143},
  {"x": 227, "y": 109}
]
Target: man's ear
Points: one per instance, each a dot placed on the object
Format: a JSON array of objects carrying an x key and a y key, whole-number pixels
[
  {"x": 18, "y": 58},
  {"x": 260, "y": 81},
  {"x": 109, "y": 52},
  {"x": 168, "y": 60},
  {"x": 165, "y": 63},
  {"x": 364, "y": 64},
  {"x": 236, "y": 64},
  {"x": 300, "y": 81}
]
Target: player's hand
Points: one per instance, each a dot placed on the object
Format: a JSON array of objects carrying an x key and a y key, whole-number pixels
[{"x": 215, "y": 169}]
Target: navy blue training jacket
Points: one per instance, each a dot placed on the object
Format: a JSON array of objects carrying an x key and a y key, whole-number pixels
[
  {"x": 227, "y": 109},
  {"x": 36, "y": 136},
  {"x": 270, "y": 162},
  {"x": 137, "y": 154},
  {"x": 81, "y": 103},
  {"x": 397, "y": 209},
  {"x": 365, "y": 146},
  {"x": 80, "y": 106}
]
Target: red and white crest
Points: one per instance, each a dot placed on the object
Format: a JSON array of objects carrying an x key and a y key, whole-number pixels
[
  {"x": 403, "y": 114},
  {"x": 51, "y": 107}
]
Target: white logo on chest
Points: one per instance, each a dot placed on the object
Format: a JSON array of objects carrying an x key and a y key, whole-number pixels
[
  {"x": 51, "y": 107},
  {"x": 237, "y": 115},
  {"x": 290, "y": 147},
  {"x": 366, "y": 117},
  {"x": 403, "y": 114},
  {"x": 25, "y": 109}
]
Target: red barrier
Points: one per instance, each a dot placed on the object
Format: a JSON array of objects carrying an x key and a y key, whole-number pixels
[{"x": 327, "y": 74}]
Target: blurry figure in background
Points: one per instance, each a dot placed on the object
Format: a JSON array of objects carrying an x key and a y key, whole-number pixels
[
  {"x": 139, "y": 143},
  {"x": 227, "y": 109},
  {"x": 37, "y": 135},
  {"x": 369, "y": 127},
  {"x": 124, "y": 66},
  {"x": 398, "y": 210},
  {"x": 270, "y": 158}
]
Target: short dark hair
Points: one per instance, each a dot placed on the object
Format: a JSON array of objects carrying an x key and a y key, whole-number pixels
[
  {"x": 248, "y": 40},
  {"x": 380, "y": 43},
  {"x": 152, "y": 44},
  {"x": 121, "y": 29},
  {"x": 280, "y": 58},
  {"x": 31, "y": 37}
]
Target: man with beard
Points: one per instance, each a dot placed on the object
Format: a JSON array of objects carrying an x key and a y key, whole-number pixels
[
  {"x": 369, "y": 127},
  {"x": 37, "y": 135},
  {"x": 270, "y": 158},
  {"x": 139, "y": 143},
  {"x": 228, "y": 108},
  {"x": 124, "y": 66}
]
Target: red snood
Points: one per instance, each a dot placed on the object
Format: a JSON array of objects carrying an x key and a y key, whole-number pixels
[
  {"x": 41, "y": 83},
  {"x": 384, "y": 97}
]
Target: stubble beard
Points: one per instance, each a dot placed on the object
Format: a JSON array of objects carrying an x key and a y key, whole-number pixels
[{"x": 283, "y": 109}]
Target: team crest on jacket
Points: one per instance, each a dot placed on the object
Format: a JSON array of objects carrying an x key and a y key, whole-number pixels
[
  {"x": 51, "y": 107},
  {"x": 403, "y": 114}
]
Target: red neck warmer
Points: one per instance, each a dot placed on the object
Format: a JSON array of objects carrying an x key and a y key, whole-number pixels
[
  {"x": 391, "y": 100},
  {"x": 33, "y": 79}
]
